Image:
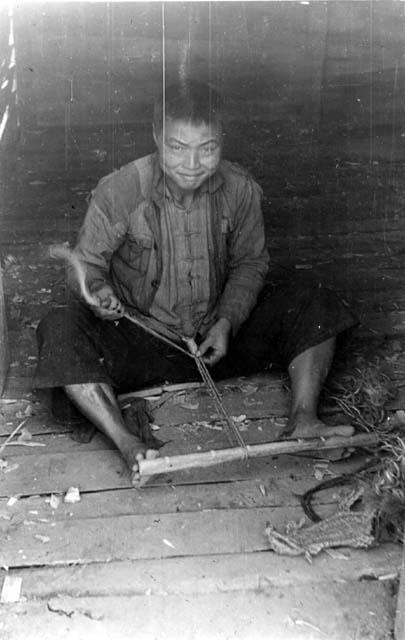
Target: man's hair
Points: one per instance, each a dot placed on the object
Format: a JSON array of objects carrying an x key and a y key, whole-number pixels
[{"x": 188, "y": 100}]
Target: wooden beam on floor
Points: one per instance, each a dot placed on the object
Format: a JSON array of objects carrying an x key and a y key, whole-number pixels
[{"x": 105, "y": 469}]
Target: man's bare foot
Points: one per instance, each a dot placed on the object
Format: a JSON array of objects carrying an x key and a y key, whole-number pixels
[
  {"x": 133, "y": 450},
  {"x": 306, "y": 425}
]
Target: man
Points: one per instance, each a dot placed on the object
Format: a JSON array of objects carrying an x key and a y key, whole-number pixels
[{"x": 178, "y": 237}]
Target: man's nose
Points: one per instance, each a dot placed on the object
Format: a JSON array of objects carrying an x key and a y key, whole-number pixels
[{"x": 192, "y": 159}]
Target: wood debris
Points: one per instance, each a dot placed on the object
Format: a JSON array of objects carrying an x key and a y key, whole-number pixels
[
  {"x": 41, "y": 538},
  {"x": 154, "y": 391},
  {"x": 28, "y": 411},
  {"x": 10, "y": 467},
  {"x": 11, "y": 590},
  {"x": 303, "y": 623},
  {"x": 249, "y": 388},
  {"x": 26, "y": 444},
  {"x": 192, "y": 406},
  {"x": 25, "y": 435},
  {"x": 11, "y": 436},
  {"x": 54, "y": 501},
  {"x": 206, "y": 425},
  {"x": 168, "y": 543},
  {"x": 72, "y": 495},
  {"x": 239, "y": 419},
  {"x": 321, "y": 470}
]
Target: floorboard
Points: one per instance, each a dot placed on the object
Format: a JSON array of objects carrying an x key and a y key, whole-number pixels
[
  {"x": 208, "y": 573},
  {"x": 145, "y": 536},
  {"x": 231, "y": 494},
  {"x": 246, "y": 615}
]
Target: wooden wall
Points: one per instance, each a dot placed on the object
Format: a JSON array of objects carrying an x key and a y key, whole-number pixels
[
  {"x": 289, "y": 64},
  {"x": 8, "y": 136},
  {"x": 315, "y": 107}
]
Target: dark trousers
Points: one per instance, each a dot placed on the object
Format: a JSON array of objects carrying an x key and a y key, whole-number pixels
[{"x": 76, "y": 347}]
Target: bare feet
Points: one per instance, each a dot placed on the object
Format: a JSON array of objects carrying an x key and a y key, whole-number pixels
[
  {"x": 133, "y": 450},
  {"x": 306, "y": 425}
]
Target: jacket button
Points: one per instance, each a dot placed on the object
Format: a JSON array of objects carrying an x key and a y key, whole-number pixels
[{"x": 155, "y": 284}]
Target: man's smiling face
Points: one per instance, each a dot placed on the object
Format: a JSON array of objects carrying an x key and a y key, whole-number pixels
[{"x": 189, "y": 154}]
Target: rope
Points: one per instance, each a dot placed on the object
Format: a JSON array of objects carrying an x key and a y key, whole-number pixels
[
  {"x": 157, "y": 335},
  {"x": 207, "y": 379},
  {"x": 204, "y": 373}
]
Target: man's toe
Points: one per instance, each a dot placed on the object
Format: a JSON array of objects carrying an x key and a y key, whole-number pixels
[
  {"x": 151, "y": 454},
  {"x": 344, "y": 430}
]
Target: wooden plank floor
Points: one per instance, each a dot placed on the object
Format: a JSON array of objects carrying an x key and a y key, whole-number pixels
[
  {"x": 186, "y": 555},
  {"x": 191, "y": 544}
]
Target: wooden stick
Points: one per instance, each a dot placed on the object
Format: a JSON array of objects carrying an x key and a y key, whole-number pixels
[
  {"x": 11, "y": 436},
  {"x": 155, "y": 391},
  {"x": 219, "y": 456}
]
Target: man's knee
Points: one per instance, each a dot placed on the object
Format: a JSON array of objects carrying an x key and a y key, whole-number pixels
[{"x": 61, "y": 322}]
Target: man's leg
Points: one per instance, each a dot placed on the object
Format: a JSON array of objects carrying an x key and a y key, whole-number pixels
[
  {"x": 98, "y": 403},
  {"x": 76, "y": 348},
  {"x": 308, "y": 372}
]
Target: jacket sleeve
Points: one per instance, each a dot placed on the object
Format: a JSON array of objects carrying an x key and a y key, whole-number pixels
[
  {"x": 102, "y": 232},
  {"x": 248, "y": 259}
]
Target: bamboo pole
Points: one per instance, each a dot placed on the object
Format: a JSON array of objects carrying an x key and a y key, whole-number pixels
[{"x": 219, "y": 456}]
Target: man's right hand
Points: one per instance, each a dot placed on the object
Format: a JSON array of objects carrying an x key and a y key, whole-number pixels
[{"x": 107, "y": 306}]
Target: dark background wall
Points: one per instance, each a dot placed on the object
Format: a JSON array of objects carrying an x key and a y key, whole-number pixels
[
  {"x": 330, "y": 69},
  {"x": 315, "y": 108}
]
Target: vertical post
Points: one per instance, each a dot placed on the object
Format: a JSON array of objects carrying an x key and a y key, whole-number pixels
[{"x": 4, "y": 350}]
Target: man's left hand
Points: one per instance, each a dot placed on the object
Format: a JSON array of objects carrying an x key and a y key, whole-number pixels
[{"x": 215, "y": 345}]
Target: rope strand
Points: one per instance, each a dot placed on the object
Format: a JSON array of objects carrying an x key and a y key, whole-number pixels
[{"x": 206, "y": 376}]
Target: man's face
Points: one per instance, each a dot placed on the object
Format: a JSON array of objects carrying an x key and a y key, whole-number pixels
[{"x": 189, "y": 153}]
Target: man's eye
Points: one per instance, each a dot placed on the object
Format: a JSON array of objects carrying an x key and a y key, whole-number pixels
[
  {"x": 210, "y": 148},
  {"x": 175, "y": 147}
]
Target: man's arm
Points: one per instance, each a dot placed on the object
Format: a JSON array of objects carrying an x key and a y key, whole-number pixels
[
  {"x": 247, "y": 269},
  {"x": 102, "y": 232},
  {"x": 248, "y": 258}
]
